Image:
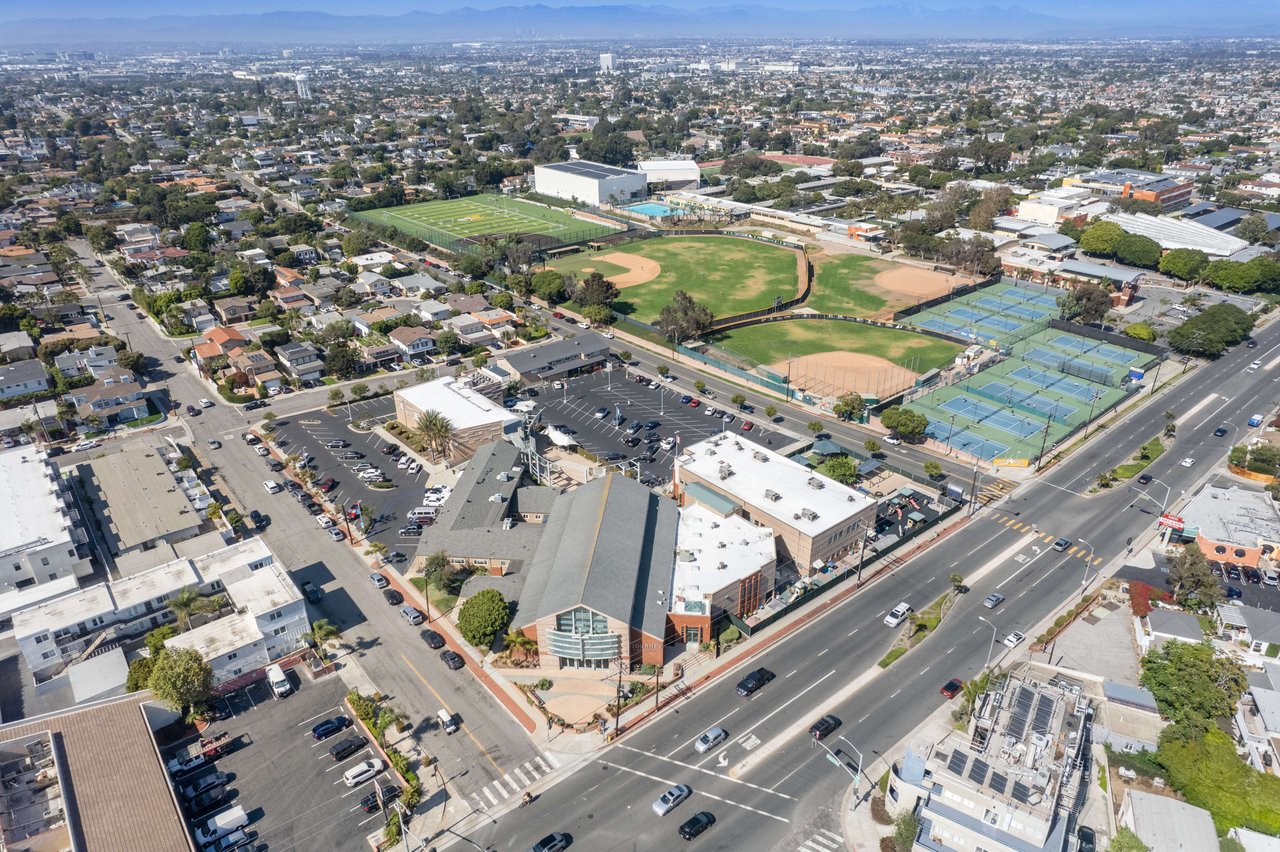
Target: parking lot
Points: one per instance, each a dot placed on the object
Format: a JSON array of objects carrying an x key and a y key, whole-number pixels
[
  {"x": 577, "y": 403},
  {"x": 286, "y": 781},
  {"x": 308, "y": 433}
]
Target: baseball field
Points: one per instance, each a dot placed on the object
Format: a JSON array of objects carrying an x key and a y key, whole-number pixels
[{"x": 861, "y": 286}]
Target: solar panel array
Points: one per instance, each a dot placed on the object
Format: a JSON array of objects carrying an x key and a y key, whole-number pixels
[
  {"x": 978, "y": 771},
  {"x": 957, "y": 763},
  {"x": 998, "y": 782},
  {"x": 1021, "y": 712},
  {"x": 1021, "y": 792},
  {"x": 582, "y": 168},
  {"x": 1044, "y": 714}
]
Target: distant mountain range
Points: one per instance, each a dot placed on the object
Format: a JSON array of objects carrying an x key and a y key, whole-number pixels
[{"x": 635, "y": 22}]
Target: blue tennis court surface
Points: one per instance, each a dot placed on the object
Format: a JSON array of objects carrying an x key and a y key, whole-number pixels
[
  {"x": 1059, "y": 383},
  {"x": 1039, "y": 378},
  {"x": 1114, "y": 354},
  {"x": 967, "y": 314},
  {"x": 1044, "y": 357},
  {"x": 966, "y": 441},
  {"x": 1024, "y": 311},
  {"x": 1072, "y": 343},
  {"x": 980, "y": 318},
  {"x": 970, "y": 408},
  {"x": 1036, "y": 296},
  {"x": 989, "y": 414},
  {"x": 1012, "y": 395},
  {"x": 942, "y": 326}
]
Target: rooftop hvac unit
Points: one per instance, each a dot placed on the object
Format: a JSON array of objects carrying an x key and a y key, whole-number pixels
[
  {"x": 504, "y": 477},
  {"x": 710, "y": 451},
  {"x": 760, "y": 456},
  {"x": 809, "y": 514},
  {"x": 722, "y": 566},
  {"x": 495, "y": 498},
  {"x": 771, "y": 495},
  {"x": 816, "y": 484},
  {"x": 506, "y": 523}
]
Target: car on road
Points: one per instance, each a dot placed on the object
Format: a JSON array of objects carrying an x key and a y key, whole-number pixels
[
  {"x": 993, "y": 600},
  {"x": 214, "y": 444},
  {"x": 255, "y": 405},
  {"x": 892, "y": 440},
  {"x": 1014, "y": 639},
  {"x": 557, "y": 314},
  {"x": 313, "y": 508},
  {"x": 192, "y": 411},
  {"x": 1187, "y": 462},
  {"x": 376, "y": 801},
  {"x": 710, "y": 738},
  {"x": 671, "y": 799},
  {"x": 952, "y": 688},
  {"x": 329, "y": 727},
  {"x": 554, "y": 842},
  {"x": 393, "y": 597},
  {"x": 1144, "y": 479},
  {"x": 1251, "y": 344},
  {"x": 379, "y": 581},
  {"x": 412, "y": 615},
  {"x": 823, "y": 727},
  {"x": 754, "y": 681},
  {"x": 1061, "y": 544},
  {"x": 696, "y": 824},
  {"x": 272, "y": 486},
  {"x": 260, "y": 521},
  {"x": 206, "y": 403},
  {"x": 1256, "y": 365},
  {"x": 324, "y": 521},
  {"x": 1220, "y": 431},
  {"x": 452, "y": 659},
  {"x": 336, "y": 534},
  {"x": 433, "y": 639},
  {"x": 898, "y": 614},
  {"x": 1087, "y": 840},
  {"x": 362, "y": 772}
]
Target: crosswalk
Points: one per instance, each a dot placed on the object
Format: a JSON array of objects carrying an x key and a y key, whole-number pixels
[
  {"x": 823, "y": 841},
  {"x": 992, "y": 491},
  {"x": 1021, "y": 526},
  {"x": 516, "y": 780}
]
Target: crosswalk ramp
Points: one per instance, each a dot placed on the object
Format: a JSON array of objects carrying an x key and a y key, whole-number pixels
[
  {"x": 823, "y": 841},
  {"x": 515, "y": 781}
]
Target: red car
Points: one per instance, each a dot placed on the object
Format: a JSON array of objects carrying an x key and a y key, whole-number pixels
[
  {"x": 747, "y": 425},
  {"x": 952, "y": 688},
  {"x": 326, "y": 485},
  {"x": 557, "y": 314},
  {"x": 693, "y": 403}
]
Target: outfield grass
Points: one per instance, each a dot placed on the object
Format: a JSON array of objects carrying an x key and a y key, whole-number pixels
[
  {"x": 840, "y": 286},
  {"x": 447, "y": 223},
  {"x": 726, "y": 274},
  {"x": 775, "y": 341}
]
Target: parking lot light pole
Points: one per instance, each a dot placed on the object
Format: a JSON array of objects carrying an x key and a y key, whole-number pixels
[{"x": 992, "y": 647}]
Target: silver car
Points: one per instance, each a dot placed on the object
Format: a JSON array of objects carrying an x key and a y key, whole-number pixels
[
  {"x": 709, "y": 740},
  {"x": 667, "y": 802}
]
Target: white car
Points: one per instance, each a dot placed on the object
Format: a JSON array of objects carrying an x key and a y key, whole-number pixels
[
  {"x": 404, "y": 462},
  {"x": 214, "y": 444},
  {"x": 1187, "y": 462},
  {"x": 583, "y": 324},
  {"x": 898, "y": 614},
  {"x": 667, "y": 802},
  {"x": 336, "y": 534},
  {"x": 204, "y": 403},
  {"x": 892, "y": 441},
  {"x": 608, "y": 335},
  {"x": 362, "y": 772},
  {"x": 669, "y": 377},
  {"x": 414, "y": 467},
  {"x": 324, "y": 521},
  {"x": 1256, "y": 365},
  {"x": 85, "y": 445},
  {"x": 262, "y": 451},
  {"x": 273, "y": 391},
  {"x": 710, "y": 739},
  {"x": 272, "y": 486},
  {"x": 1014, "y": 639}
]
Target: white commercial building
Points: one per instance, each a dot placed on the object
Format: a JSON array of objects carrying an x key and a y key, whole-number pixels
[
  {"x": 58, "y": 632},
  {"x": 1178, "y": 233},
  {"x": 589, "y": 183},
  {"x": 724, "y": 564},
  {"x": 41, "y": 537},
  {"x": 1054, "y": 205},
  {"x": 477, "y": 420},
  {"x": 677, "y": 174},
  {"x": 607, "y": 63}
]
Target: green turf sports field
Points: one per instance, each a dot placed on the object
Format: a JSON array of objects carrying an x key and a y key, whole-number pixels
[
  {"x": 726, "y": 274},
  {"x": 446, "y": 223}
]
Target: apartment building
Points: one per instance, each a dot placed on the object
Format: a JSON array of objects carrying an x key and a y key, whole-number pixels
[{"x": 43, "y": 537}]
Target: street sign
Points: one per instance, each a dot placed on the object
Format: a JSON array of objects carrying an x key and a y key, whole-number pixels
[
  {"x": 1171, "y": 521},
  {"x": 832, "y": 759}
]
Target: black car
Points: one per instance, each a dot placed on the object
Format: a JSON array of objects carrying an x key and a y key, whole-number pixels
[
  {"x": 314, "y": 508},
  {"x": 754, "y": 681},
  {"x": 1234, "y": 594},
  {"x": 1088, "y": 840},
  {"x": 631, "y": 441},
  {"x": 614, "y": 457},
  {"x": 433, "y": 639},
  {"x": 207, "y": 801},
  {"x": 345, "y": 748},
  {"x": 1144, "y": 479},
  {"x": 329, "y": 727},
  {"x": 1251, "y": 344},
  {"x": 259, "y": 520},
  {"x": 651, "y": 424},
  {"x": 452, "y": 659},
  {"x": 1252, "y": 575},
  {"x": 374, "y": 801},
  {"x": 393, "y": 597},
  {"x": 274, "y": 465},
  {"x": 1220, "y": 431},
  {"x": 645, "y": 457},
  {"x": 255, "y": 404},
  {"x": 696, "y": 824},
  {"x": 388, "y": 449},
  {"x": 824, "y": 726},
  {"x": 192, "y": 411}
]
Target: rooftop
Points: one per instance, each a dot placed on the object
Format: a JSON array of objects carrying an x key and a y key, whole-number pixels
[
  {"x": 138, "y": 497},
  {"x": 218, "y": 637},
  {"x": 533, "y": 360},
  {"x": 1166, "y": 824},
  {"x": 1233, "y": 516},
  {"x": 712, "y": 552},
  {"x": 1178, "y": 233},
  {"x": 588, "y": 169},
  {"x": 769, "y": 481},
  {"x": 466, "y": 408},
  {"x": 29, "y": 500}
]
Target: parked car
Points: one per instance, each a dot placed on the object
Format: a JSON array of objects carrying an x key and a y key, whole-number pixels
[
  {"x": 206, "y": 403},
  {"x": 260, "y": 521},
  {"x": 379, "y": 581},
  {"x": 393, "y": 597},
  {"x": 378, "y": 800},
  {"x": 362, "y": 772},
  {"x": 671, "y": 799},
  {"x": 329, "y": 727},
  {"x": 272, "y": 486},
  {"x": 754, "y": 681},
  {"x": 336, "y": 534},
  {"x": 433, "y": 639},
  {"x": 337, "y": 445},
  {"x": 262, "y": 451},
  {"x": 343, "y": 749},
  {"x": 412, "y": 615},
  {"x": 411, "y": 530},
  {"x": 452, "y": 659},
  {"x": 952, "y": 688},
  {"x": 1234, "y": 594},
  {"x": 1014, "y": 639},
  {"x": 326, "y": 485}
]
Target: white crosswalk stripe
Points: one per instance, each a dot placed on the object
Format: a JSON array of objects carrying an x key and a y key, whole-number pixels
[
  {"x": 524, "y": 781},
  {"x": 543, "y": 765},
  {"x": 551, "y": 758},
  {"x": 823, "y": 841},
  {"x": 492, "y": 799},
  {"x": 531, "y": 770},
  {"x": 497, "y": 785}
]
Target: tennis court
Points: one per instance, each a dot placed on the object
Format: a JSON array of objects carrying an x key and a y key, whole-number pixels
[
  {"x": 1024, "y": 293},
  {"x": 968, "y": 407},
  {"x": 942, "y": 326},
  {"x": 966, "y": 441},
  {"x": 989, "y": 320},
  {"x": 1058, "y": 382},
  {"x": 1013, "y": 308},
  {"x": 1043, "y": 406},
  {"x": 1114, "y": 354}
]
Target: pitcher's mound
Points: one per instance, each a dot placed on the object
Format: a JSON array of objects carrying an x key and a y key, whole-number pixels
[
  {"x": 836, "y": 373},
  {"x": 640, "y": 270}
]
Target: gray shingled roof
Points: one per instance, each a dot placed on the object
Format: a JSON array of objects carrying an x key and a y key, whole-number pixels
[{"x": 608, "y": 546}]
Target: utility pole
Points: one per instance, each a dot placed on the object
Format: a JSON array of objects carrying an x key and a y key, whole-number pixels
[{"x": 973, "y": 490}]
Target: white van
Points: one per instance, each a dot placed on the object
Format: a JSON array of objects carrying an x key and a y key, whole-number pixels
[
  {"x": 421, "y": 513},
  {"x": 221, "y": 825},
  {"x": 277, "y": 680},
  {"x": 447, "y": 721}
]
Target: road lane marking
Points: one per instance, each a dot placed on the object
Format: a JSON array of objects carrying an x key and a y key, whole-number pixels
[
  {"x": 445, "y": 705},
  {"x": 853, "y": 631},
  {"x": 701, "y": 793},
  {"x": 823, "y": 651},
  {"x": 705, "y": 771},
  {"x": 790, "y": 673}
]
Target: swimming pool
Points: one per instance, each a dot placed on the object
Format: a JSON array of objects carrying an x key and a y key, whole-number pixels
[{"x": 652, "y": 208}]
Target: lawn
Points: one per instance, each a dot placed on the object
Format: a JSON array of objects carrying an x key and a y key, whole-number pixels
[
  {"x": 584, "y": 263},
  {"x": 446, "y": 223},
  {"x": 840, "y": 286},
  {"x": 773, "y": 342},
  {"x": 1152, "y": 449},
  {"x": 726, "y": 274}
]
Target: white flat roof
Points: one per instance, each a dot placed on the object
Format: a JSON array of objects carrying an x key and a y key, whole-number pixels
[
  {"x": 262, "y": 590},
  {"x": 16, "y": 600},
  {"x": 29, "y": 503},
  {"x": 465, "y": 408},
  {"x": 80, "y": 605},
  {"x": 163, "y": 581},
  {"x": 712, "y": 552},
  {"x": 1178, "y": 233},
  {"x": 218, "y": 637},
  {"x": 805, "y": 500},
  {"x": 220, "y": 561}
]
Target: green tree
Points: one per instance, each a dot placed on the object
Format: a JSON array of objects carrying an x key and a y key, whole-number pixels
[
  {"x": 1140, "y": 331},
  {"x": 904, "y": 422},
  {"x": 197, "y": 238},
  {"x": 1210, "y": 332},
  {"x": 1252, "y": 228},
  {"x": 435, "y": 430},
  {"x": 1126, "y": 841},
  {"x": 842, "y": 469},
  {"x": 597, "y": 314},
  {"x": 849, "y": 406},
  {"x": 1137, "y": 250},
  {"x": 1193, "y": 582},
  {"x": 437, "y": 570},
  {"x": 154, "y": 639},
  {"x": 549, "y": 286},
  {"x": 932, "y": 469},
  {"x": 683, "y": 318},
  {"x": 957, "y": 580},
  {"x": 739, "y": 400},
  {"x": 1102, "y": 238},
  {"x": 905, "y": 829},
  {"x": 335, "y": 396},
  {"x": 871, "y": 445},
  {"x": 139, "y": 674},
  {"x": 323, "y": 630},
  {"x": 181, "y": 679},
  {"x": 1184, "y": 264},
  {"x": 448, "y": 342},
  {"x": 356, "y": 243},
  {"x": 1189, "y": 680},
  {"x": 815, "y": 426},
  {"x": 484, "y": 617},
  {"x": 595, "y": 289},
  {"x": 771, "y": 411},
  {"x": 1094, "y": 301},
  {"x": 339, "y": 361},
  {"x": 359, "y": 390},
  {"x": 188, "y": 601}
]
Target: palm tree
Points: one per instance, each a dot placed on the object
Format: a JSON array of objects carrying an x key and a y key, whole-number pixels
[
  {"x": 322, "y": 630},
  {"x": 435, "y": 431},
  {"x": 188, "y": 602}
]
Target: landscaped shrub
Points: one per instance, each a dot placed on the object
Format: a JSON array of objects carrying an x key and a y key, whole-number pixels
[{"x": 1211, "y": 775}]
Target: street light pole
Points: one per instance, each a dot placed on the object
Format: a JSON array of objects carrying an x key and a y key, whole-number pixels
[
  {"x": 993, "y": 641},
  {"x": 1084, "y": 581}
]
